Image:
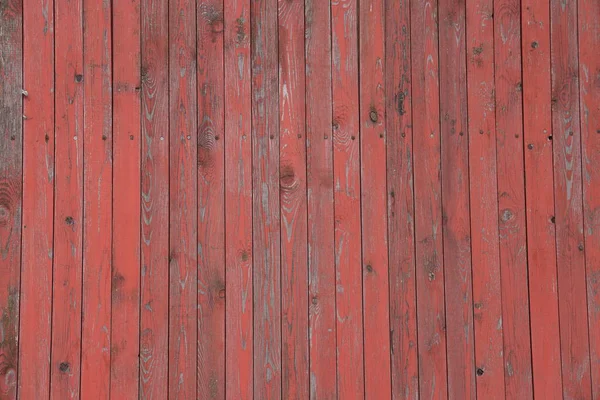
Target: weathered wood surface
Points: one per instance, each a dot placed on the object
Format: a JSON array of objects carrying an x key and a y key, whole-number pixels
[{"x": 294, "y": 199}]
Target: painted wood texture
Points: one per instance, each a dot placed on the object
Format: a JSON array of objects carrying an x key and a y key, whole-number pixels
[{"x": 299, "y": 199}]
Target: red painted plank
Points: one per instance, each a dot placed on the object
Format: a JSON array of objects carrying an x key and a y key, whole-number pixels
[
  {"x": 511, "y": 199},
  {"x": 374, "y": 199},
  {"x": 346, "y": 168},
  {"x": 183, "y": 200},
  {"x": 292, "y": 174},
  {"x": 68, "y": 195},
  {"x": 455, "y": 200},
  {"x": 487, "y": 295},
  {"x": 211, "y": 202},
  {"x": 543, "y": 296},
  {"x": 321, "y": 235},
  {"x": 125, "y": 346},
  {"x": 154, "y": 289},
  {"x": 11, "y": 180},
  {"x": 568, "y": 195},
  {"x": 589, "y": 81},
  {"x": 431, "y": 319},
  {"x": 401, "y": 208},
  {"x": 38, "y": 200},
  {"x": 97, "y": 194},
  {"x": 265, "y": 196},
  {"x": 238, "y": 203}
]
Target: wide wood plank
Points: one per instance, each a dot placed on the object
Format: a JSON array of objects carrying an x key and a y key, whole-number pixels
[
  {"x": 38, "y": 200},
  {"x": 321, "y": 235},
  {"x": 455, "y": 200},
  {"x": 265, "y": 199},
  {"x": 539, "y": 197},
  {"x": 346, "y": 168},
  {"x": 487, "y": 296},
  {"x": 568, "y": 194},
  {"x": 125, "y": 340},
  {"x": 211, "y": 202},
  {"x": 183, "y": 200},
  {"x": 431, "y": 316},
  {"x": 511, "y": 199},
  {"x": 239, "y": 344},
  {"x": 11, "y": 186},
  {"x": 68, "y": 195},
  {"x": 292, "y": 178},
  {"x": 154, "y": 280},
  {"x": 97, "y": 194},
  {"x": 374, "y": 199},
  {"x": 589, "y": 108}
]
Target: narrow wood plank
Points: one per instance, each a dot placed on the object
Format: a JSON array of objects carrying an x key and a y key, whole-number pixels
[
  {"x": 126, "y": 235},
  {"x": 154, "y": 311},
  {"x": 38, "y": 200},
  {"x": 238, "y": 202},
  {"x": 346, "y": 168},
  {"x": 265, "y": 200},
  {"x": 320, "y": 197},
  {"x": 570, "y": 246},
  {"x": 455, "y": 200},
  {"x": 511, "y": 199},
  {"x": 183, "y": 200},
  {"x": 97, "y": 194},
  {"x": 539, "y": 197},
  {"x": 431, "y": 318},
  {"x": 487, "y": 295},
  {"x": 211, "y": 202},
  {"x": 292, "y": 175},
  {"x": 401, "y": 208},
  {"x": 589, "y": 86},
  {"x": 371, "y": 45},
  {"x": 11, "y": 181},
  {"x": 68, "y": 213}
]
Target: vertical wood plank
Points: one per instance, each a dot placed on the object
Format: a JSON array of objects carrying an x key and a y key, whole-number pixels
[
  {"x": 511, "y": 199},
  {"x": 126, "y": 235},
  {"x": 68, "y": 195},
  {"x": 589, "y": 86},
  {"x": 183, "y": 200},
  {"x": 97, "y": 194},
  {"x": 371, "y": 47},
  {"x": 38, "y": 199},
  {"x": 238, "y": 202},
  {"x": 570, "y": 246},
  {"x": 265, "y": 200},
  {"x": 211, "y": 202},
  {"x": 154, "y": 311},
  {"x": 401, "y": 209},
  {"x": 539, "y": 197},
  {"x": 487, "y": 294},
  {"x": 11, "y": 181},
  {"x": 292, "y": 178},
  {"x": 428, "y": 212},
  {"x": 346, "y": 168},
  {"x": 321, "y": 236},
  {"x": 455, "y": 200}
]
